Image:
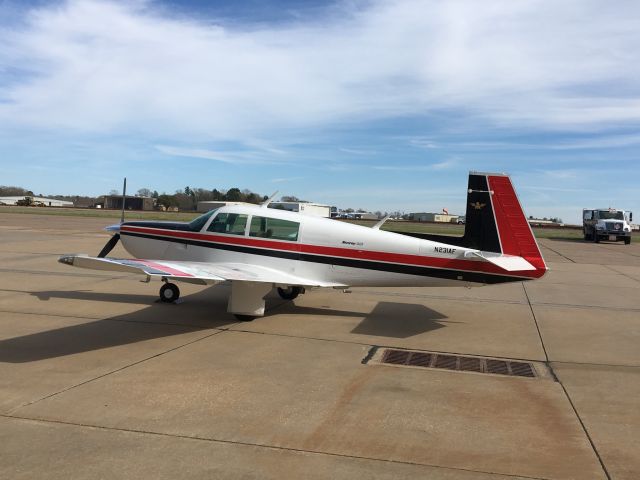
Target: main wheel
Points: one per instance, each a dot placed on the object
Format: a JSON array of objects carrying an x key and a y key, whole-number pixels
[
  {"x": 596, "y": 238},
  {"x": 245, "y": 318},
  {"x": 627, "y": 240},
  {"x": 169, "y": 292},
  {"x": 289, "y": 293}
]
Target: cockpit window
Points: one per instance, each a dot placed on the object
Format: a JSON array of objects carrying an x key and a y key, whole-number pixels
[
  {"x": 197, "y": 224},
  {"x": 274, "y": 228},
  {"x": 232, "y": 223}
]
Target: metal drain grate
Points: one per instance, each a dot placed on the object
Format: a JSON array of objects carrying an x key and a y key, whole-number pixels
[{"x": 458, "y": 363}]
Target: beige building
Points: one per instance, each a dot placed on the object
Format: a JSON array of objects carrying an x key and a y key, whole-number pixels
[
  {"x": 306, "y": 208},
  {"x": 434, "y": 217}
]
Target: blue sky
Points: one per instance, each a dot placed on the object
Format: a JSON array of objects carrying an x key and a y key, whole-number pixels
[{"x": 365, "y": 104}]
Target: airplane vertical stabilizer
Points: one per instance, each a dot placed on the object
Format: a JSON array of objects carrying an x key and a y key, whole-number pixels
[
  {"x": 496, "y": 226},
  {"x": 514, "y": 231}
]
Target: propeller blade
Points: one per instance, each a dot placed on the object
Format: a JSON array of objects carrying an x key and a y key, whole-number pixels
[{"x": 109, "y": 246}]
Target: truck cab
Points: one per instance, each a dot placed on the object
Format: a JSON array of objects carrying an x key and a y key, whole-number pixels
[{"x": 607, "y": 224}]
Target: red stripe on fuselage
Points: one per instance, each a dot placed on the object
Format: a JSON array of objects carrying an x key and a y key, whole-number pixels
[{"x": 368, "y": 255}]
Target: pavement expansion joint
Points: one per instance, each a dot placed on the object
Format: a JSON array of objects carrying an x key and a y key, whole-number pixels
[
  {"x": 44, "y": 314},
  {"x": 138, "y": 362},
  {"x": 108, "y": 276},
  {"x": 588, "y": 307},
  {"x": 558, "y": 253},
  {"x": 564, "y": 389},
  {"x": 266, "y": 446},
  {"x": 610, "y": 267},
  {"x": 438, "y": 297},
  {"x": 535, "y": 320}
]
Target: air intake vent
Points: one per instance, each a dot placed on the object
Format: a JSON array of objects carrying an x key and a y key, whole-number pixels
[{"x": 458, "y": 363}]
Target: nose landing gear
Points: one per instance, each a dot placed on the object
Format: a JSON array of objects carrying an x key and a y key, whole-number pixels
[
  {"x": 289, "y": 293},
  {"x": 169, "y": 292}
]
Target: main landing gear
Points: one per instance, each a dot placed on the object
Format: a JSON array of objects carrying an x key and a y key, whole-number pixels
[
  {"x": 169, "y": 292},
  {"x": 289, "y": 293}
]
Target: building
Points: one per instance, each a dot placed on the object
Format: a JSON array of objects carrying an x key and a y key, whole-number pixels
[
  {"x": 537, "y": 222},
  {"x": 131, "y": 202},
  {"x": 37, "y": 201},
  {"x": 205, "y": 206},
  {"x": 306, "y": 208},
  {"x": 433, "y": 217},
  {"x": 363, "y": 216}
]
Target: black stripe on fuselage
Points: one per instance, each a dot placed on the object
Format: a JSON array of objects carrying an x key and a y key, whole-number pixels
[{"x": 449, "y": 274}]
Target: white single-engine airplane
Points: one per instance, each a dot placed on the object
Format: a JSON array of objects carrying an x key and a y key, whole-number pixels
[{"x": 258, "y": 248}]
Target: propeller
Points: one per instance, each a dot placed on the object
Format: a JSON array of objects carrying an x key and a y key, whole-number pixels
[
  {"x": 113, "y": 241},
  {"x": 109, "y": 246}
]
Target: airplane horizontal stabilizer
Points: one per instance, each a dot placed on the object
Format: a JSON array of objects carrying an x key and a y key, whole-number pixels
[{"x": 510, "y": 263}]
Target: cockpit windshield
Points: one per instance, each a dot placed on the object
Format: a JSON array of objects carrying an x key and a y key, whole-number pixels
[
  {"x": 610, "y": 215},
  {"x": 197, "y": 224}
]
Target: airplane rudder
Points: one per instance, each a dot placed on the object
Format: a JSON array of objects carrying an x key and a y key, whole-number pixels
[{"x": 516, "y": 236}]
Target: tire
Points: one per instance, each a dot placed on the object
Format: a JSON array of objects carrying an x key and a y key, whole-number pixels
[
  {"x": 244, "y": 318},
  {"x": 627, "y": 240},
  {"x": 595, "y": 237},
  {"x": 289, "y": 293},
  {"x": 169, "y": 293},
  {"x": 586, "y": 236}
]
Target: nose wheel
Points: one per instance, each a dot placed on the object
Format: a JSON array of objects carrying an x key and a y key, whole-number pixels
[{"x": 169, "y": 293}]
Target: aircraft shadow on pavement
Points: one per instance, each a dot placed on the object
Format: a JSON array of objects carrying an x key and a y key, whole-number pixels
[
  {"x": 202, "y": 310},
  {"x": 400, "y": 320},
  {"x": 94, "y": 296},
  {"x": 387, "y": 319}
]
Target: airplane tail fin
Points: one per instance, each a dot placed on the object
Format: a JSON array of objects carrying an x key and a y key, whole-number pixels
[
  {"x": 495, "y": 221},
  {"x": 496, "y": 226}
]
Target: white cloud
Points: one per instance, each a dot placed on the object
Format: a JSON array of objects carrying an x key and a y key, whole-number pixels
[
  {"x": 234, "y": 157},
  {"x": 443, "y": 165},
  {"x": 117, "y": 68},
  {"x": 285, "y": 179}
]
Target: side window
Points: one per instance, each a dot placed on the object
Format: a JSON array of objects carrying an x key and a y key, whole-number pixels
[
  {"x": 588, "y": 214},
  {"x": 274, "y": 228},
  {"x": 232, "y": 223}
]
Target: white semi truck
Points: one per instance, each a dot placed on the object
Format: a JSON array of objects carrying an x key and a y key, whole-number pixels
[{"x": 607, "y": 224}]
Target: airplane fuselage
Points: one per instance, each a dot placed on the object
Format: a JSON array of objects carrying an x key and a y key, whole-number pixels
[{"x": 337, "y": 252}]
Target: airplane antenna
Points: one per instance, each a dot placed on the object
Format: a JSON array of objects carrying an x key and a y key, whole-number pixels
[
  {"x": 124, "y": 198},
  {"x": 266, "y": 203},
  {"x": 381, "y": 222}
]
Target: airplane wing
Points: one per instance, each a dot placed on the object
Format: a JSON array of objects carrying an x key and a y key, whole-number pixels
[{"x": 194, "y": 272}]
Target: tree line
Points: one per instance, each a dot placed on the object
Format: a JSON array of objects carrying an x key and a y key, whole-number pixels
[
  {"x": 188, "y": 198},
  {"x": 185, "y": 199}
]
